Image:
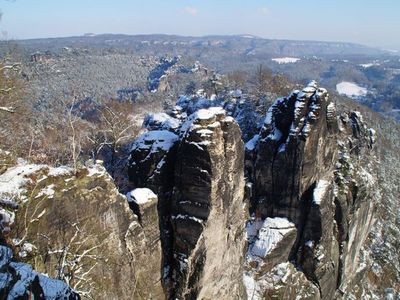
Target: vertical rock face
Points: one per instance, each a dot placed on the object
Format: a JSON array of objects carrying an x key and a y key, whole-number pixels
[
  {"x": 297, "y": 146},
  {"x": 207, "y": 208},
  {"x": 309, "y": 188},
  {"x": 143, "y": 241},
  {"x": 307, "y": 169},
  {"x": 201, "y": 206}
]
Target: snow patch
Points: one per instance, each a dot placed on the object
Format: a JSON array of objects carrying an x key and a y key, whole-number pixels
[
  {"x": 270, "y": 235},
  {"x": 320, "y": 191},
  {"x": 252, "y": 144},
  {"x": 369, "y": 65},
  {"x": 14, "y": 179},
  {"x": 187, "y": 217},
  {"x": 155, "y": 140},
  {"x": 141, "y": 196},
  {"x": 160, "y": 121},
  {"x": 351, "y": 89},
  {"x": 286, "y": 60}
]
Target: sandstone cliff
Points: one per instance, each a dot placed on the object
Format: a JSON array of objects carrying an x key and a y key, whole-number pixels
[
  {"x": 312, "y": 168},
  {"x": 75, "y": 226},
  {"x": 282, "y": 217},
  {"x": 308, "y": 186},
  {"x": 201, "y": 184}
]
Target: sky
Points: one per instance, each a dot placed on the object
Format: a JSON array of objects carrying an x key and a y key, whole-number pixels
[{"x": 370, "y": 22}]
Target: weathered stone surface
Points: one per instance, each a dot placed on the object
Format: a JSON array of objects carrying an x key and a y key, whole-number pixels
[
  {"x": 201, "y": 206},
  {"x": 281, "y": 282},
  {"x": 356, "y": 195},
  {"x": 76, "y": 226},
  {"x": 207, "y": 208},
  {"x": 307, "y": 169},
  {"x": 296, "y": 147},
  {"x": 152, "y": 158}
]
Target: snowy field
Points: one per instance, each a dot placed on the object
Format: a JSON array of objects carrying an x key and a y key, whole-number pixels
[
  {"x": 286, "y": 60},
  {"x": 351, "y": 89}
]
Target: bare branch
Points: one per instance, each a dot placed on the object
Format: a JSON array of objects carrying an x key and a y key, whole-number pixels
[{"x": 9, "y": 109}]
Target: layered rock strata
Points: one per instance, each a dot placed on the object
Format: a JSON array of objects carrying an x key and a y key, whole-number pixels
[
  {"x": 307, "y": 169},
  {"x": 203, "y": 206}
]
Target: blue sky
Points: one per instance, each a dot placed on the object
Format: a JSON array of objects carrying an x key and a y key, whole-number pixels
[{"x": 370, "y": 22}]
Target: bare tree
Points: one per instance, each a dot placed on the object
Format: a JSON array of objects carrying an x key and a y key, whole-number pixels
[
  {"x": 238, "y": 79},
  {"x": 8, "y": 84},
  {"x": 260, "y": 81},
  {"x": 116, "y": 128},
  {"x": 75, "y": 143}
]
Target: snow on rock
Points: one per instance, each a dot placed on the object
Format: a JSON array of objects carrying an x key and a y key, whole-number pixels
[
  {"x": 187, "y": 217},
  {"x": 208, "y": 114},
  {"x": 372, "y": 135},
  {"x": 320, "y": 191},
  {"x": 252, "y": 144},
  {"x": 281, "y": 282},
  {"x": 48, "y": 192},
  {"x": 286, "y": 60},
  {"x": 161, "y": 121},
  {"x": 252, "y": 289},
  {"x": 202, "y": 116},
  {"x": 141, "y": 196},
  {"x": 60, "y": 171},
  {"x": 331, "y": 110},
  {"x": 26, "y": 249},
  {"x": 236, "y": 94},
  {"x": 14, "y": 179},
  {"x": 21, "y": 281},
  {"x": 351, "y": 89},
  {"x": 270, "y": 234},
  {"x": 96, "y": 170},
  {"x": 7, "y": 219},
  {"x": 155, "y": 140}
]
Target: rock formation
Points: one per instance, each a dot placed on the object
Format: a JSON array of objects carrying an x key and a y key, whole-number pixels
[
  {"x": 306, "y": 170},
  {"x": 20, "y": 281},
  {"x": 308, "y": 189},
  {"x": 76, "y": 226},
  {"x": 201, "y": 204},
  {"x": 283, "y": 217}
]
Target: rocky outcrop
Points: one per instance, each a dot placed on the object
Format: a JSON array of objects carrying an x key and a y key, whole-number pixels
[
  {"x": 270, "y": 242},
  {"x": 207, "y": 209},
  {"x": 305, "y": 211},
  {"x": 281, "y": 282},
  {"x": 20, "y": 281},
  {"x": 296, "y": 146},
  {"x": 157, "y": 76},
  {"x": 308, "y": 186},
  {"x": 74, "y": 225},
  {"x": 306, "y": 169},
  {"x": 201, "y": 205}
]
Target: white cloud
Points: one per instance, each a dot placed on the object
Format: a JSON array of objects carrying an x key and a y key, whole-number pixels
[
  {"x": 263, "y": 10},
  {"x": 191, "y": 10}
]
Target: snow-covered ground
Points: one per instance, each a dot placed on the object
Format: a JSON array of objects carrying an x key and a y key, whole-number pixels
[
  {"x": 369, "y": 65},
  {"x": 286, "y": 60},
  {"x": 351, "y": 89}
]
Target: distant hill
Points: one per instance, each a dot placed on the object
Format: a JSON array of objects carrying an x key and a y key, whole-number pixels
[{"x": 375, "y": 71}]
